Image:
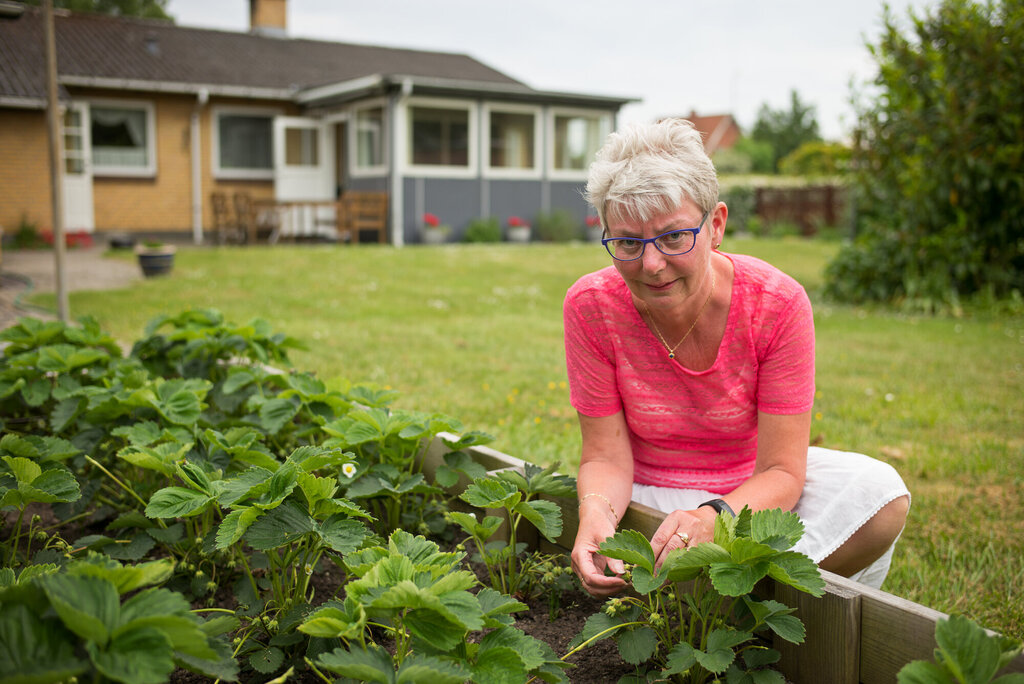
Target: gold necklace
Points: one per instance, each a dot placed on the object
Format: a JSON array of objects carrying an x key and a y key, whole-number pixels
[{"x": 672, "y": 349}]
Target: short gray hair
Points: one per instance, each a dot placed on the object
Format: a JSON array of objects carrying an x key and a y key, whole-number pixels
[{"x": 646, "y": 170}]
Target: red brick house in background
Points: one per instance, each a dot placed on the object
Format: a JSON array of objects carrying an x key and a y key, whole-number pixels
[{"x": 720, "y": 131}]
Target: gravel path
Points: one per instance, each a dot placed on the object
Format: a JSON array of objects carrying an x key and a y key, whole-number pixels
[{"x": 29, "y": 271}]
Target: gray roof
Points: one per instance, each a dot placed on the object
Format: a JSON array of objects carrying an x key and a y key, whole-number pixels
[{"x": 143, "y": 54}]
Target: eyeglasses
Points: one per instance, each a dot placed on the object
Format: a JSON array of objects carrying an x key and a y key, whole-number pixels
[{"x": 672, "y": 243}]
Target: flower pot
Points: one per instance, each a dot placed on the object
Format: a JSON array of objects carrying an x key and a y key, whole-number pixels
[
  {"x": 519, "y": 233},
  {"x": 595, "y": 233},
  {"x": 434, "y": 236},
  {"x": 155, "y": 261}
]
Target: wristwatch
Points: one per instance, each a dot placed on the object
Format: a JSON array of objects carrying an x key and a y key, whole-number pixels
[{"x": 719, "y": 505}]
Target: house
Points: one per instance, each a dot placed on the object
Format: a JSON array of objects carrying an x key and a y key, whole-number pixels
[
  {"x": 720, "y": 131},
  {"x": 157, "y": 117}
]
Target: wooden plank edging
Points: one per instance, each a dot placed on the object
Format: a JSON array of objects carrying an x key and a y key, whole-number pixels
[{"x": 855, "y": 634}]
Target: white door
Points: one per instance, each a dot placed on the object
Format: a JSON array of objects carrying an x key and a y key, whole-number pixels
[
  {"x": 78, "y": 210},
  {"x": 304, "y": 172}
]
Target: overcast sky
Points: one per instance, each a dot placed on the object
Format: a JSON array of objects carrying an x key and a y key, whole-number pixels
[{"x": 711, "y": 56}]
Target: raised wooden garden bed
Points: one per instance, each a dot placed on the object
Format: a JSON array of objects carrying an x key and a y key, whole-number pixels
[{"x": 855, "y": 634}]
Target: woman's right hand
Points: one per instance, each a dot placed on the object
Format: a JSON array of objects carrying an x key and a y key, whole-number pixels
[{"x": 587, "y": 561}]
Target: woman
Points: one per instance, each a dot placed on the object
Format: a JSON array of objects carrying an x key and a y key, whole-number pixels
[{"x": 692, "y": 372}]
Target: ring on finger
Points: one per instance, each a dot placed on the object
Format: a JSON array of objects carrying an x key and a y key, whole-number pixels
[{"x": 684, "y": 537}]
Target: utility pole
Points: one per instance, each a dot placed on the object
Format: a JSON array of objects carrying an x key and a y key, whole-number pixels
[{"x": 56, "y": 165}]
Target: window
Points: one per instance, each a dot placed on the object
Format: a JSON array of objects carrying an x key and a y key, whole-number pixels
[
  {"x": 244, "y": 145},
  {"x": 577, "y": 137},
  {"x": 122, "y": 139},
  {"x": 512, "y": 140},
  {"x": 439, "y": 137},
  {"x": 301, "y": 146},
  {"x": 369, "y": 138}
]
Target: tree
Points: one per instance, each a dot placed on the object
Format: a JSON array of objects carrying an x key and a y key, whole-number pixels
[
  {"x": 785, "y": 130},
  {"x": 817, "y": 159},
  {"x": 939, "y": 161},
  {"x": 147, "y": 9}
]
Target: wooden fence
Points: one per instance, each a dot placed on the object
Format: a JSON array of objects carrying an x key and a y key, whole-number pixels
[
  {"x": 855, "y": 634},
  {"x": 808, "y": 207}
]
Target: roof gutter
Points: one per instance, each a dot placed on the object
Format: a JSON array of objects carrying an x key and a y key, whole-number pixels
[
  {"x": 341, "y": 89},
  {"x": 23, "y": 102},
  {"x": 178, "y": 87},
  {"x": 10, "y": 9},
  {"x": 348, "y": 90}
]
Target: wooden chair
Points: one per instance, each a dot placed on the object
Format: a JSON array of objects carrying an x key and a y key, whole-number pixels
[
  {"x": 252, "y": 223},
  {"x": 225, "y": 228},
  {"x": 363, "y": 212}
]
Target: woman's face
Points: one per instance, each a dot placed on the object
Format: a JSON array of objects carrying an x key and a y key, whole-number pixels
[{"x": 663, "y": 281}]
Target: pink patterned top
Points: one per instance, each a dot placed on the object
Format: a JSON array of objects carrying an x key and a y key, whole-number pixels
[{"x": 693, "y": 430}]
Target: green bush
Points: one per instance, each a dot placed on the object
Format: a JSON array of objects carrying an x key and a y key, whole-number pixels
[
  {"x": 937, "y": 158},
  {"x": 817, "y": 158},
  {"x": 483, "y": 230},
  {"x": 558, "y": 226},
  {"x": 740, "y": 200}
]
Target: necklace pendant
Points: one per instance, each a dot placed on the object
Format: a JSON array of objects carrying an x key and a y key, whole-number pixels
[{"x": 671, "y": 355}]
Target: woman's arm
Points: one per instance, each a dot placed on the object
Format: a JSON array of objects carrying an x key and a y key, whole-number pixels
[
  {"x": 777, "y": 481},
  {"x": 605, "y": 486}
]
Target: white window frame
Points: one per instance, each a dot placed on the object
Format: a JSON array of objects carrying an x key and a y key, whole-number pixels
[
  {"x": 354, "y": 168},
  {"x": 532, "y": 173},
  {"x": 604, "y": 121},
  {"x": 404, "y": 141},
  {"x": 147, "y": 171},
  {"x": 239, "y": 174}
]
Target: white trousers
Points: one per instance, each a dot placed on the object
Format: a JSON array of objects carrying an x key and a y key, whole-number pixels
[{"x": 843, "y": 490}]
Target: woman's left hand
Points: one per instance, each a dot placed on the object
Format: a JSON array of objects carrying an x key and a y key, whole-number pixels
[{"x": 682, "y": 529}]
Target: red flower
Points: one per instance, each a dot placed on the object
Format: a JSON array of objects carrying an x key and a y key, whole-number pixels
[
  {"x": 431, "y": 220},
  {"x": 514, "y": 221},
  {"x": 593, "y": 221}
]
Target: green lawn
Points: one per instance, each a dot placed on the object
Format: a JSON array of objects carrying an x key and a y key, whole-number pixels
[{"x": 476, "y": 332}]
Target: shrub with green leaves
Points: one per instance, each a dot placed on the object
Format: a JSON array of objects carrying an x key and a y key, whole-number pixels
[
  {"x": 700, "y": 631},
  {"x": 483, "y": 230},
  {"x": 511, "y": 569},
  {"x": 442, "y": 632},
  {"x": 966, "y": 654},
  {"x": 937, "y": 161},
  {"x": 558, "y": 226}
]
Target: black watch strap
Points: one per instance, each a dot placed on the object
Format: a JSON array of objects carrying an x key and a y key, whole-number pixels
[{"x": 719, "y": 505}]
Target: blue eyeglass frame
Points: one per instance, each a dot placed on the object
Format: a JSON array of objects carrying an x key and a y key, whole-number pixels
[{"x": 646, "y": 241}]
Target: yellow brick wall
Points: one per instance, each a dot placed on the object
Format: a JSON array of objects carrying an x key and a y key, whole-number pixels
[
  {"x": 162, "y": 203},
  {"x": 24, "y": 169},
  {"x": 159, "y": 203}
]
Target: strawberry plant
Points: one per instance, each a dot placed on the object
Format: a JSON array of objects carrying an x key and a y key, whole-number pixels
[
  {"x": 511, "y": 569},
  {"x": 966, "y": 654},
  {"x": 100, "y": 619},
  {"x": 23, "y": 481},
  {"x": 700, "y": 631},
  {"x": 420, "y": 598},
  {"x": 388, "y": 479}
]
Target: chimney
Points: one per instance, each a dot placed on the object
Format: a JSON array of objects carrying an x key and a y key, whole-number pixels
[{"x": 268, "y": 17}]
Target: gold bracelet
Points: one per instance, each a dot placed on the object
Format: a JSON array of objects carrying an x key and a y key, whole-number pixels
[{"x": 604, "y": 498}]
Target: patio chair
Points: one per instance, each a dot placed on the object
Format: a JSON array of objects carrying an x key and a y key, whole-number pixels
[
  {"x": 364, "y": 212},
  {"x": 253, "y": 222},
  {"x": 225, "y": 229}
]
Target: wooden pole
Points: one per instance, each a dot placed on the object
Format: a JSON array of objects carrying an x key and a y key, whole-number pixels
[{"x": 56, "y": 167}]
